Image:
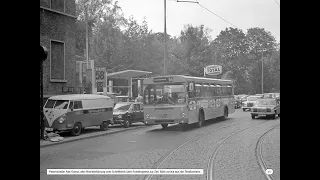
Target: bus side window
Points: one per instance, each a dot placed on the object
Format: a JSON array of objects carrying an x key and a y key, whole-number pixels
[
  {"x": 218, "y": 91},
  {"x": 191, "y": 90},
  {"x": 198, "y": 90},
  {"x": 210, "y": 91},
  {"x": 224, "y": 90},
  {"x": 202, "y": 91}
]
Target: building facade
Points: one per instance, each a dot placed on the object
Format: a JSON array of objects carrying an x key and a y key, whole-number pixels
[{"x": 58, "y": 35}]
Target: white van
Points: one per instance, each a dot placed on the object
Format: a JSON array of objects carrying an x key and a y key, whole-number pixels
[{"x": 74, "y": 112}]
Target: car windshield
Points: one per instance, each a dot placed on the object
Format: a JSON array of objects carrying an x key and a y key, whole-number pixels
[
  {"x": 252, "y": 98},
  {"x": 165, "y": 94},
  {"x": 122, "y": 107},
  {"x": 266, "y": 102},
  {"x": 57, "y": 104}
]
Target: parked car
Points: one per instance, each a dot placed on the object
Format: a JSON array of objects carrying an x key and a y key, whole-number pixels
[
  {"x": 277, "y": 96},
  {"x": 74, "y": 112},
  {"x": 243, "y": 98},
  {"x": 260, "y": 95},
  {"x": 269, "y": 95},
  {"x": 249, "y": 103},
  {"x": 269, "y": 107},
  {"x": 126, "y": 113}
]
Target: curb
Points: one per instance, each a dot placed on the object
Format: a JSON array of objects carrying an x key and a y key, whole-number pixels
[{"x": 87, "y": 137}]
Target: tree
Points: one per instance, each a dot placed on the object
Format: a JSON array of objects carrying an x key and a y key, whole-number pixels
[
  {"x": 191, "y": 50},
  {"x": 230, "y": 49},
  {"x": 261, "y": 45},
  {"x": 97, "y": 11}
]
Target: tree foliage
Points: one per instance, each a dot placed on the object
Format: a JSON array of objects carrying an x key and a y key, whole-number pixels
[{"x": 119, "y": 43}]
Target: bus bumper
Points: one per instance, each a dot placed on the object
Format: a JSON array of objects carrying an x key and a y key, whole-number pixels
[{"x": 165, "y": 121}]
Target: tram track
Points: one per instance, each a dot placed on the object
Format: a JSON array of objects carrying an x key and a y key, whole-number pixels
[
  {"x": 210, "y": 165},
  {"x": 199, "y": 136},
  {"x": 259, "y": 156}
]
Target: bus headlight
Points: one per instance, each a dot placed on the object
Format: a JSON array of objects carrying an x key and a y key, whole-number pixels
[
  {"x": 120, "y": 116},
  {"x": 182, "y": 114},
  {"x": 62, "y": 119},
  {"x": 147, "y": 116}
]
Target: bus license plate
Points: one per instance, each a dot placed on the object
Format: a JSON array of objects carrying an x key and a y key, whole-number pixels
[{"x": 48, "y": 129}]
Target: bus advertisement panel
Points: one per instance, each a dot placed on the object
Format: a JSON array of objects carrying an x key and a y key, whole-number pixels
[{"x": 186, "y": 99}]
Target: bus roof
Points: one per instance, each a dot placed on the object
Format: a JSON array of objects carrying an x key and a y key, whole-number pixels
[
  {"x": 78, "y": 97},
  {"x": 182, "y": 78}
]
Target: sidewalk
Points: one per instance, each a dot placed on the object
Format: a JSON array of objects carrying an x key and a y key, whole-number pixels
[{"x": 90, "y": 132}]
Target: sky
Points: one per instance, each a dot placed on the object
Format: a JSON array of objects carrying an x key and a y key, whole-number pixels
[{"x": 243, "y": 14}]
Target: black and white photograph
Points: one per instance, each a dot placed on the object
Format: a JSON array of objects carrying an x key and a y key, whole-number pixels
[{"x": 160, "y": 89}]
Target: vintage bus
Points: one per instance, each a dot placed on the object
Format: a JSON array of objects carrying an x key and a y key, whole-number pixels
[{"x": 186, "y": 99}]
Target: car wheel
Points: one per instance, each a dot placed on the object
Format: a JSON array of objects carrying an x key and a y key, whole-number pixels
[
  {"x": 279, "y": 115},
  {"x": 244, "y": 109},
  {"x": 274, "y": 116},
  {"x": 253, "y": 116},
  {"x": 104, "y": 126},
  {"x": 164, "y": 126},
  {"x": 126, "y": 123},
  {"x": 76, "y": 130}
]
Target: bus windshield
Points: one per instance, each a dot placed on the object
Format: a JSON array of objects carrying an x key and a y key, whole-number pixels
[{"x": 164, "y": 94}]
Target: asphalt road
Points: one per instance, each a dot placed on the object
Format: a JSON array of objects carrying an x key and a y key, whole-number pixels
[{"x": 230, "y": 145}]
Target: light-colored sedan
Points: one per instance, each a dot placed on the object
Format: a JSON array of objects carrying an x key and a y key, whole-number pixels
[
  {"x": 250, "y": 102},
  {"x": 266, "y": 107}
]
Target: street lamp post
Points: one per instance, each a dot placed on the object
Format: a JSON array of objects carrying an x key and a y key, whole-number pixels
[
  {"x": 43, "y": 57},
  {"x": 165, "y": 40},
  {"x": 262, "y": 73}
]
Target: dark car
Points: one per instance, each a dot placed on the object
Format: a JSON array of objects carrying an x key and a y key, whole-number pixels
[
  {"x": 266, "y": 107},
  {"x": 126, "y": 113}
]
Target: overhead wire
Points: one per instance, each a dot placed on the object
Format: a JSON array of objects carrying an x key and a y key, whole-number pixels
[{"x": 209, "y": 11}]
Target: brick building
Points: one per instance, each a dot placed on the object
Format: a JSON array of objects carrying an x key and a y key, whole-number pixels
[{"x": 58, "y": 35}]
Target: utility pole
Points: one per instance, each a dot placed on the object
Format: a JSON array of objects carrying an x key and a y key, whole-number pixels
[
  {"x": 87, "y": 85},
  {"x": 165, "y": 40},
  {"x": 87, "y": 36},
  {"x": 262, "y": 74}
]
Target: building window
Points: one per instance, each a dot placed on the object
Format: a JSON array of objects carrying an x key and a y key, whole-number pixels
[
  {"x": 57, "y": 61},
  {"x": 57, "y": 5}
]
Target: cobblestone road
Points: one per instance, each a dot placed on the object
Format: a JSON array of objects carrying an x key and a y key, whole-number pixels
[
  {"x": 197, "y": 154},
  {"x": 271, "y": 151},
  {"x": 236, "y": 158},
  {"x": 147, "y": 147}
]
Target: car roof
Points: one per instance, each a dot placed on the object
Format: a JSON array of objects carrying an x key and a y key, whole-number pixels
[
  {"x": 254, "y": 96},
  {"x": 129, "y": 102},
  {"x": 268, "y": 98},
  {"x": 78, "y": 97}
]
